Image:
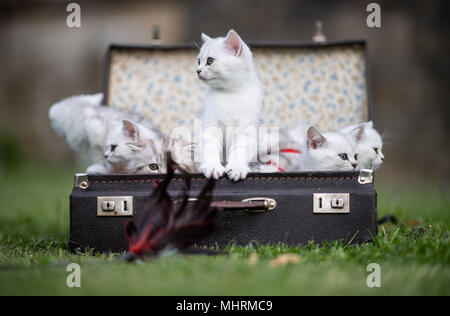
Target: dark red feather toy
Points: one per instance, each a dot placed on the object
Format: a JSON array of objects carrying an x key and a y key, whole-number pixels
[{"x": 168, "y": 224}]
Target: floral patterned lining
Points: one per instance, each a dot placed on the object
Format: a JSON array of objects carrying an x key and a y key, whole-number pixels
[{"x": 325, "y": 85}]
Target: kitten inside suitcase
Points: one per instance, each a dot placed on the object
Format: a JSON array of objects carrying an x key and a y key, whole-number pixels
[
  {"x": 123, "y": 141},
  {"x": 116, "y": 141},
  {"x": 231, "y": 107}
]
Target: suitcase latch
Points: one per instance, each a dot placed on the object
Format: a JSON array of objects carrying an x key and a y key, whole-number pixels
[
  {"x": 115, "y": 206},
  {"x": 331, "y": 203}
]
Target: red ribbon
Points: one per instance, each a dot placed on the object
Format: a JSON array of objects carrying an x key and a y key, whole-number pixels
[
  {"x": 284, "y": 150},
  {"x": 290, "y": 150}
]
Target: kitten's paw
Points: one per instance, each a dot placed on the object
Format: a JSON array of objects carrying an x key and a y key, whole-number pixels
[
  {"x": 266, "y": 168},
  {"x": 237, "y": 171},
  {"x": 96, "y": 169},
  {"x": 211, "y": 170}
]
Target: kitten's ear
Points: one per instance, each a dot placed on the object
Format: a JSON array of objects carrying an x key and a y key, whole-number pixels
[
  {"x": 234, "y": 42},
  {"x": 130, "y": 129},
  {"x": 369, "y": 124},
  {"x": 315, "y": 138},
  {"x": 358, "y": 132},
  {"x": 205, "y": 37}
]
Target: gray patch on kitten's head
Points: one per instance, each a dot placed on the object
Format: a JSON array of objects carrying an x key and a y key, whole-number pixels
[
  {"x": 224, "y": 60},
  {"x": 329, "y": 151}
]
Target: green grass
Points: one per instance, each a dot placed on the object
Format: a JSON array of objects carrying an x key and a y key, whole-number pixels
[{"x": 34, "y": 228}]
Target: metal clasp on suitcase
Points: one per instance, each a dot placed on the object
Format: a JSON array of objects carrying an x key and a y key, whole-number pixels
[
  {"x": 365, "y": 176},
  {"x": 115, "y": 206},
  {"x": 331, "y": 203},
  {"x": 81, "y": 181}
]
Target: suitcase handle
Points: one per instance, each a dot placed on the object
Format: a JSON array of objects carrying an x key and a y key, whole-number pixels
[{"x": 253, "y": 205}]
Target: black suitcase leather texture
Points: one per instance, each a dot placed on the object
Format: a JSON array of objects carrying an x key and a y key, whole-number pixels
[{"x": 292, "y": 222}]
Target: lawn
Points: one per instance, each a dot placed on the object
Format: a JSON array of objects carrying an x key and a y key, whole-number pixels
[{"x": 414, "y": 255}]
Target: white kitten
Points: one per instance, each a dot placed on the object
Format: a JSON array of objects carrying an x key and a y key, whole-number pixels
[
  {"x": 132, "y": 148},
  {"x": 370, "y": 144},
  {"x": 87, "y": 127},
  {"x": 328, "y": 151},
  {"x": 311, "y": 150},
  {"x": 231, "y": 106}
]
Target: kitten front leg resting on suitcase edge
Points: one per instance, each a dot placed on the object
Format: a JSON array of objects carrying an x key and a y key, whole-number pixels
[
  {"x": 212, "y": 153},
  {"x": 241, "y": 149},
  {"x": 233, "y": 101}
]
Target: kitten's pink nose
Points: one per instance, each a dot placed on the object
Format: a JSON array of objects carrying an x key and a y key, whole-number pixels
[
  {"x": 354, "y": 165},
  {"x": 198, "y": 72}
]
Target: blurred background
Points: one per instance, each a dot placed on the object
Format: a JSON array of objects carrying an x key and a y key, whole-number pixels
[{"x": 42, "y": 61}]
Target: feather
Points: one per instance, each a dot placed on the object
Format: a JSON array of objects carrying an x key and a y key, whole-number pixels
[{"x": 165, "y": 223}]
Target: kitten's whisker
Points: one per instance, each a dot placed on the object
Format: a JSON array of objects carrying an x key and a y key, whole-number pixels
[{"x": 196, "y": 46}]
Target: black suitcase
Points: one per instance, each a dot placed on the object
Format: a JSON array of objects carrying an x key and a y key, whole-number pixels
[{"x": 289, "y": 208}]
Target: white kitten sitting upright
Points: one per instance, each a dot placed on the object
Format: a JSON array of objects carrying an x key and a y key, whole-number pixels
[
  {"x": 370, "y": 144},
  {"x": 231, "y": 106}
]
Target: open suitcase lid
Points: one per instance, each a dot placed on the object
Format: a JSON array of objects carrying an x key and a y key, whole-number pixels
[{"x": 326, "y": 84}]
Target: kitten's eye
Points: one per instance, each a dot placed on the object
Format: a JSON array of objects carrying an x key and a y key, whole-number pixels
[
  {"x": 153, "y": 166},
  {"x": 343, "y": 156},
  {"x": 113, "y": 147},
  {"x": 209, "y": 61},
  {"x": 199, "y": 61},
  {"x": 376, "y": 150},
  {"x": 356, "y": 156}
]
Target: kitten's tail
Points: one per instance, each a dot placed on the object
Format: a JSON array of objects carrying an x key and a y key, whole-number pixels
[
  {"x": 74, "y": 103},
  {"x": 61, "y": 113}
]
